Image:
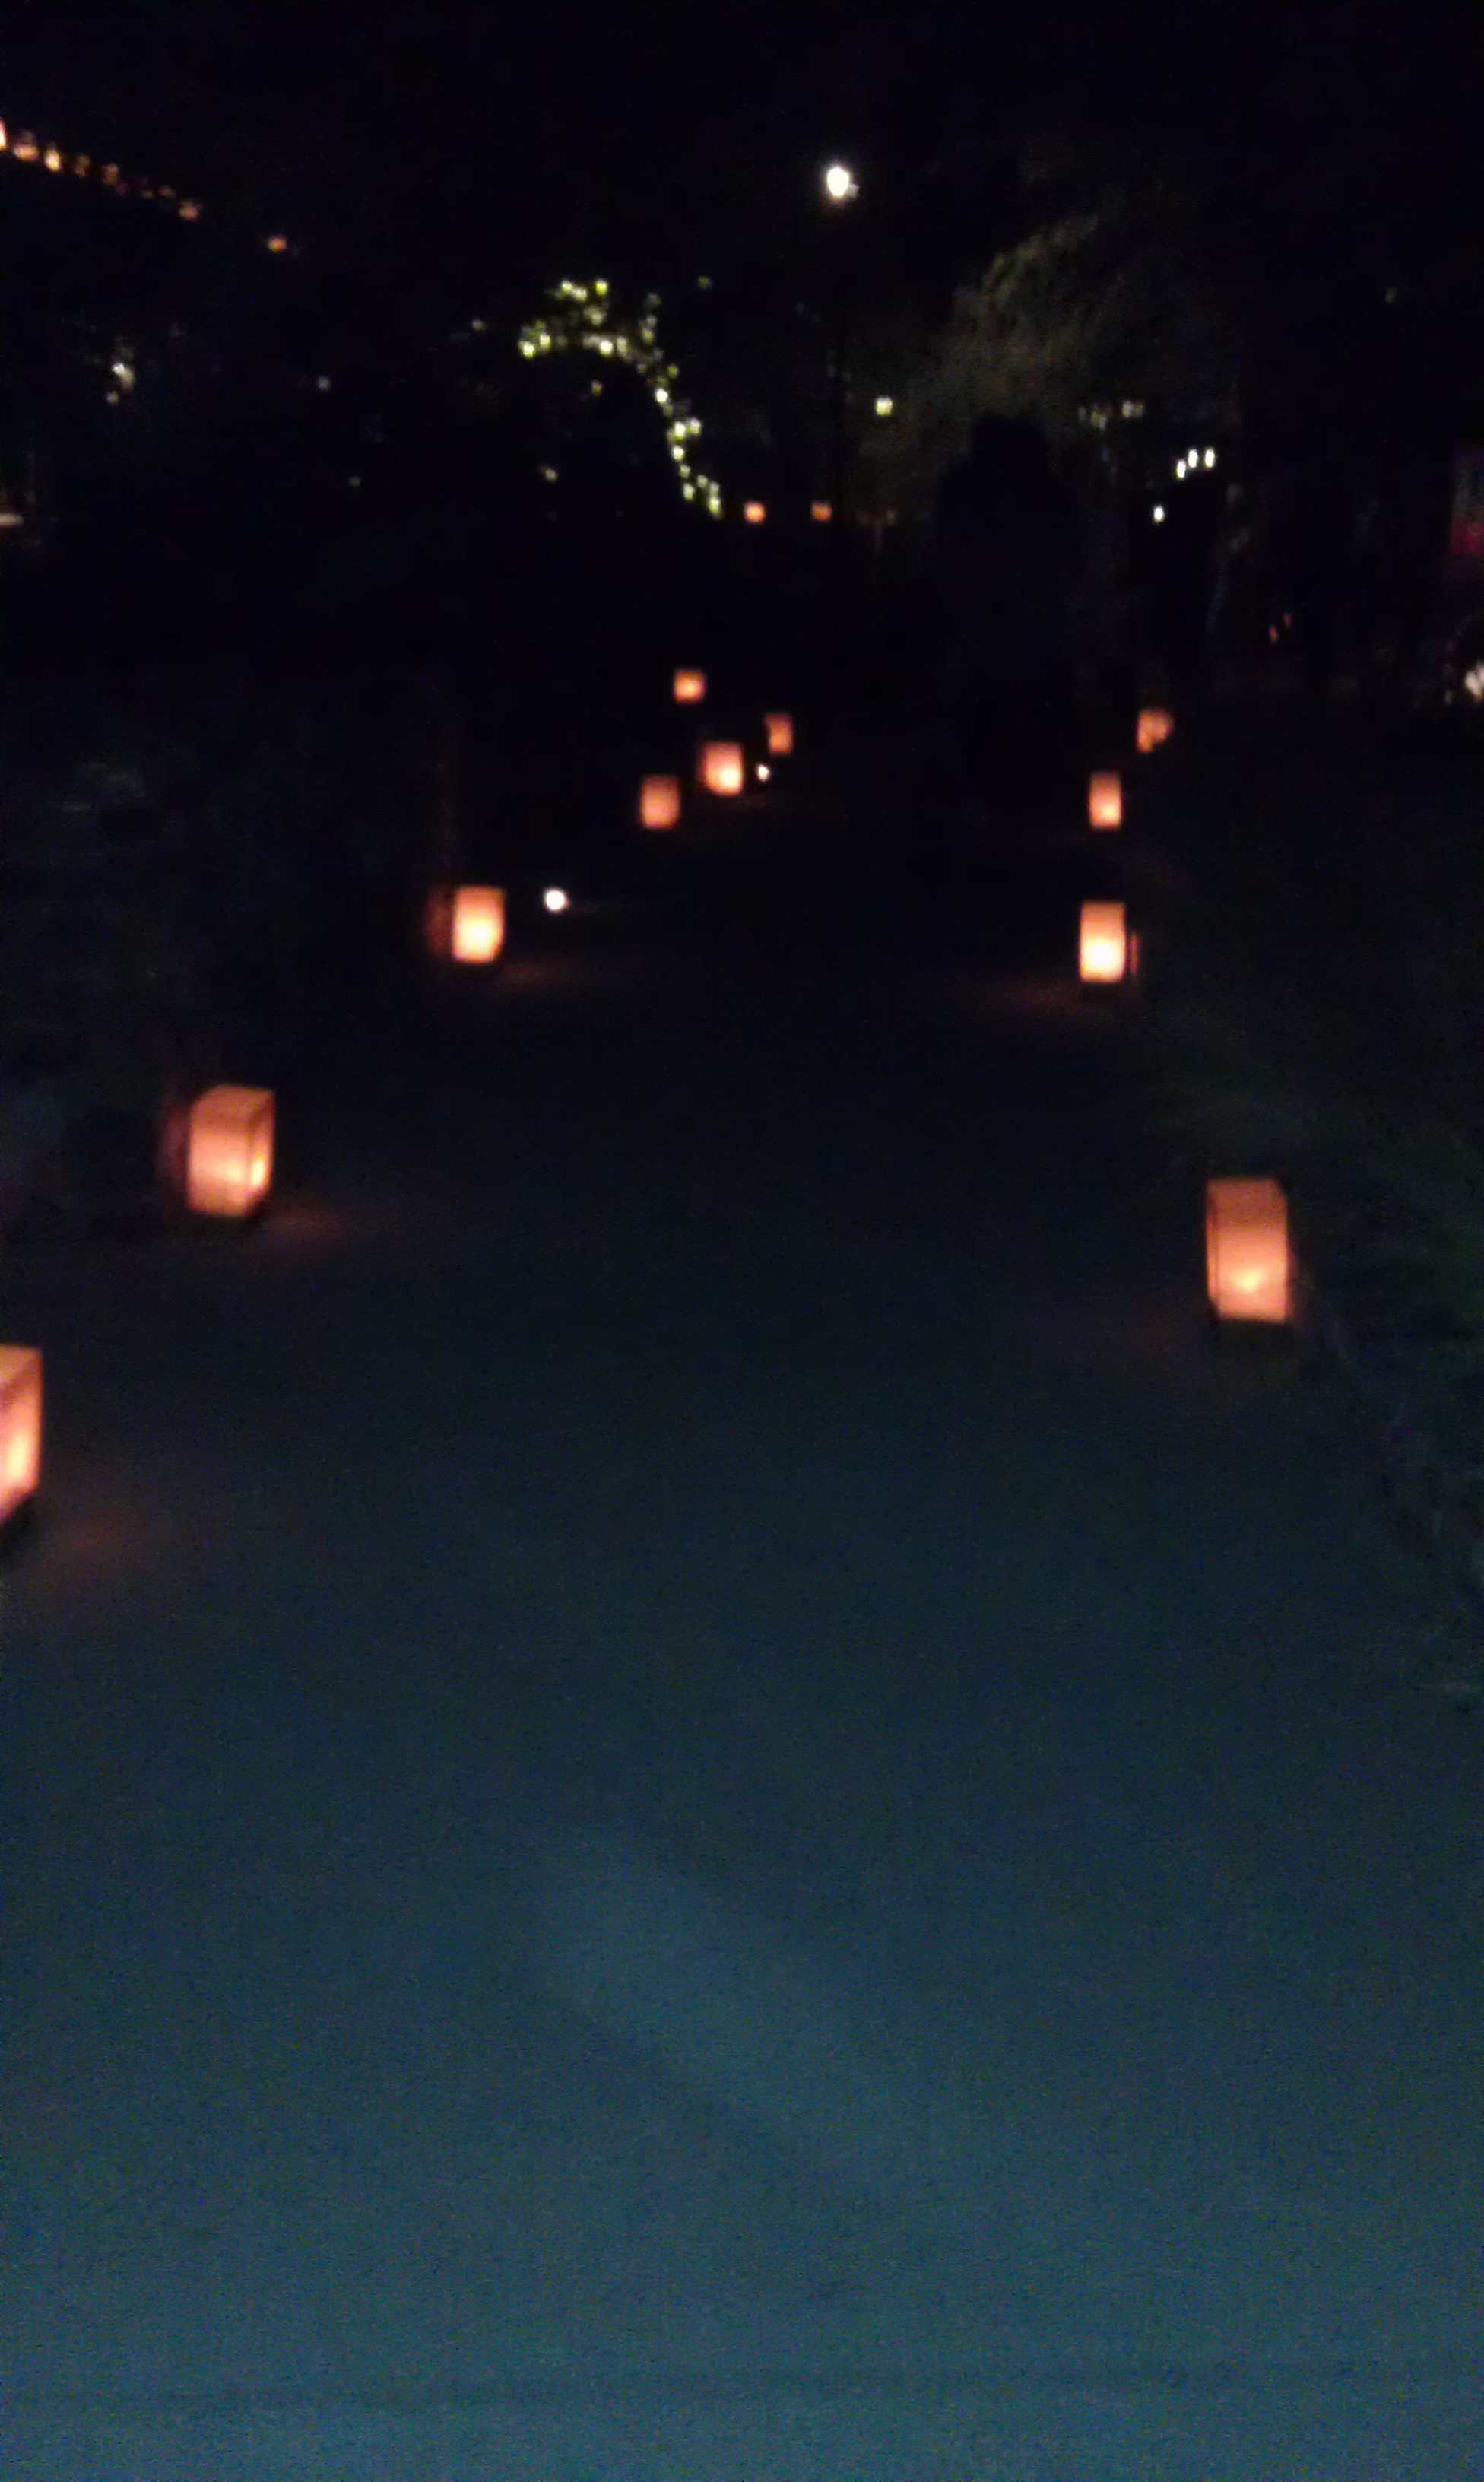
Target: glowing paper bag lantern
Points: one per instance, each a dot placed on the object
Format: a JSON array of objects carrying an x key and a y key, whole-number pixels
[
  {"x": 690, "y": 688},
  {"x": 230, "y": 1150},
  {"x": 780, "y": 736},
  {"x": 659, "y": 802},
  {"x": 1156, "y": 724},
  {"x": 476, "y": 925},
  {"x": 821, "y": 511},
  {"x": 20, "y": 1426},
  {"x": 723, "y": 767},
  {"x": 754, "y": 512},
  {"x": 1103, "y": 946},
  {"x": 1105, "y": 798},
  {"x": 1248, "y": 1264}
]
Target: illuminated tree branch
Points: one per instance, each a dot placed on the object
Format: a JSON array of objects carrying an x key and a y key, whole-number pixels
[{"x": 580, "y": 319}]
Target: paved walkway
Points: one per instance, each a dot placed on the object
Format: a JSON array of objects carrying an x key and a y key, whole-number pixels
[{"x": 699, "y": 1797}]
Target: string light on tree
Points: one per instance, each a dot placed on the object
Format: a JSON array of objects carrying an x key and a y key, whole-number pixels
[{"x": 581, "y": 318}]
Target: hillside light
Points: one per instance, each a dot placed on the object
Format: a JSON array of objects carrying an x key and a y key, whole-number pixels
[{"x": 841, "y": 183}]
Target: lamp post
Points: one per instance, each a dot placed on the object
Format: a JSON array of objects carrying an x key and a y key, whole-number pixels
[{"x": 840, "y": 187}]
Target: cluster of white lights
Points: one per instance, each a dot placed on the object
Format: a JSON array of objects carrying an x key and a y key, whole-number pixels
[
  {"x": 25, "y": 147},
  {"x": 581, "y": 316},
  {"x": 1193, "y": 459},
  {"x": 1474, "y": 681}
]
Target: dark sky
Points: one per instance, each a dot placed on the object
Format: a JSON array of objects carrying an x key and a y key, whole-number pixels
[{"x": 485, "y": 147}]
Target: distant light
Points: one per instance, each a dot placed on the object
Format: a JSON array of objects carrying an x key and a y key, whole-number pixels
[
  {"x": 841, "y": 183},
  {"x": 1179, "y": 469},
  {"x": 477, "y": 327},
  {"x": 548, "y": 473},
  {"x": 556, "y": 900},
  {"x": 1209, "y": 458},
  {"x": 322, "y": 384},
  {"x": 821, "y": 513},
  {"x": 190, "y": 211},
  {"x": 886, "y": 404},
  {"x": 1157, "y": 513},
  {"x": 4, "y": 138},
  {"x": 703, "y": 284},
  {"x": 11, "y": 517},
  {"x": 754, "y": 512},
  {"x": 277, "y": 243},
  {"x": 52, "y": 158},
  {"x": 765, "y": 775},
  {"x": 355, "y": 482}
]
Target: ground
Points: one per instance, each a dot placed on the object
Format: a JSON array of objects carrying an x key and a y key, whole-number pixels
[{"x": 698, "y": 1794}]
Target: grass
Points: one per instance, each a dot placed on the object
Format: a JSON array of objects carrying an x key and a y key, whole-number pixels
[{"x": 1319, "y": 1013}]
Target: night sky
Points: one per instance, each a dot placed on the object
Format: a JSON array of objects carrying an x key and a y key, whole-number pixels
[{"x": 489, "y": 150}]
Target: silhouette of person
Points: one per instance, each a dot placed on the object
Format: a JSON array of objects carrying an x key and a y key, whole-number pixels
[{"x": 1005, "y": 564}]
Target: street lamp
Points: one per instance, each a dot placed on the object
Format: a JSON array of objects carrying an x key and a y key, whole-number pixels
[{"x": 839, "y": 186}]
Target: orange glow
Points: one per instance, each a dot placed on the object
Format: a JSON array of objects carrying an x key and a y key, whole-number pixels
[
  {"x": 20, "y": 1426},
  {"x": 52, "y": 158},
  {"x": 190, "y": 211},
  {"x": 821, "y": 513},
  {"x": 477, "y": 925},
  {"x": 276, "y": 243},
  {"x": 780, "y": 736},
  {"x": 25, "y": 149},
  {"x": 1248, "y": 1266},
  {"x": 690, "y": 688},
  {"x": 1156, "y": 724},
  {"x": 723, "y": 767},
  {"x": 4, "y": 138},
  {"x": 659, "y": 802},
  {"x": 1103, "y": 946},
  {"x": 754, "y": 512},
  {"x": 229, "y": 1150},
  {"x": 110, "y": 175},
  {"x": 1105, "y": 798}
]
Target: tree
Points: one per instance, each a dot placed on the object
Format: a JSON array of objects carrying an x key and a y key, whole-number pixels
[{"x": 1103, "y": 300}]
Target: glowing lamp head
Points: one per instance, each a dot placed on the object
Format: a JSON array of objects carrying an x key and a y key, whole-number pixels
[
  {"x": 1156, "y": 724},
  {"x": 780, "y": 736},
  {"x": 1249, "y": 1273},
  {"x": 1105, "y": 798},
  {"x": 754, "y": 512},
  {"x": 690, "y": 688},
  {"x": 20, "y": 1427},
  {"x": 1103, "y": 944},
  {"x": 659, "y": 802},
  {"x": 556, "y": 900},
  {"x": 765, "y": 772},
  {"x": 229, "y": 1150},
  {"x": 840, "y": 183},
  {"x": 723, "y": 768}
]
